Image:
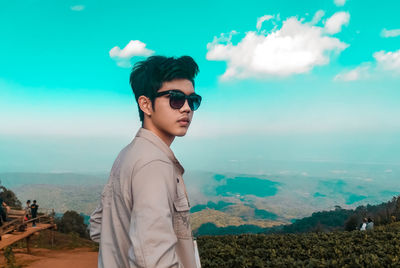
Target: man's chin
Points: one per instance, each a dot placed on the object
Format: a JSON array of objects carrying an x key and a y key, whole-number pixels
[{"x": 181, "y": 132}]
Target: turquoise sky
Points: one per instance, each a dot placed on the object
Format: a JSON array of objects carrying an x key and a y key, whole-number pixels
[{"x": 280, "y": 80}]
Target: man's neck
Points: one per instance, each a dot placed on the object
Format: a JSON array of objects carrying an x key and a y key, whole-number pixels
[{"x": 167, "y": 139}]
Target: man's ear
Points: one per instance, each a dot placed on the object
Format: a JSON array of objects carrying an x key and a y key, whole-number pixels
[{"x": 145, "y": 105}]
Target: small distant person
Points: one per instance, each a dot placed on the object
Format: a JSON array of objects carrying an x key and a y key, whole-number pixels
[
  {"x": 364, "y": 225},
  {"x": 34, "y": 209},
  {"x": 3, "y": 215},
  {"x": 28, "y": 210},
  {"x": 370, "y": 224}
]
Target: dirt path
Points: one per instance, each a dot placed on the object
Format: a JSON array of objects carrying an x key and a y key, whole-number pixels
[{"x": 44, "y": 258}]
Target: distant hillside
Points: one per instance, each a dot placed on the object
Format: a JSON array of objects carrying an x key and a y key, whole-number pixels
[
  {"x": 16, "y": 179},
  {"x": 270, "y": 199},
  {"x": 82, "y": 198},
  {"x": 347, "y": 219},
  {"x": 58, "y": 191},
  {"x": 338, "y": 219}
]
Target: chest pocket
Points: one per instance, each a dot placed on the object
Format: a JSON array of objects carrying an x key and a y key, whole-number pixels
[{"x": 181, "y": 214}]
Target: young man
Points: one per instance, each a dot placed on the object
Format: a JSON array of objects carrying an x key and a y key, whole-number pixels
[
  {"x": 3, "y": 215},
  {"x": 143, "y": 217},
  {"x": 34, "y": 209}
]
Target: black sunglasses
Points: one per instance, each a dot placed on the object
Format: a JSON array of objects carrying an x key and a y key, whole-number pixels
[{"x": 177, "y": 99}]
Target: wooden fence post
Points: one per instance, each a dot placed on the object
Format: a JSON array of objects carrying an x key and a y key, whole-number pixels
[
  {"x": 28, "y": 238},
  {"x": 52, "y": 238}
]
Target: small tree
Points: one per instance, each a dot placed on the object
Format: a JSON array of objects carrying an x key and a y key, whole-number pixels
[
  {"x": 10, "y": 258},
  {"x": 72, "y": 222},
  {"x": 9, "y": 197},
  {"x": 352, "y": 223}
]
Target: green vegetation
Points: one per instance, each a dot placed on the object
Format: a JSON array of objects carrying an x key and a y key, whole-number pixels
[
  {"x": 322, "y": 221},
  {"x": 72, "y": 222},
  {"x": 221, "y": 205},
  {"x": 378, "y": 248},
  {"x": 347, "y": 219},
  {"x": 264, "y": 214},
  {"x": 211, "y": 229},
  {"x": 316, "y": 241},
  {"x": 10, "y": 258},
  {"x": 9, "y": 197}
]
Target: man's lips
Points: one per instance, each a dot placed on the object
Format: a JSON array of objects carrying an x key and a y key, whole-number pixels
[{"x": 184, "y": 120}]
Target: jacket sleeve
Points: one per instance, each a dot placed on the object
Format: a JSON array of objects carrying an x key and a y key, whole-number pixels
[
  {"x": 95, "y": 223},
  {"x": 151, "y": 227}
]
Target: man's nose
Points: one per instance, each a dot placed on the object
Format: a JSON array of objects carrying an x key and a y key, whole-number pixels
[{"x": 185, "y": 108}]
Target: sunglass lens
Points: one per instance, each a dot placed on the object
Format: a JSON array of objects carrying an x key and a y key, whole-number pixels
[
  {"x": 177, "y": 101},
  {"x": 194, "y": 102}
]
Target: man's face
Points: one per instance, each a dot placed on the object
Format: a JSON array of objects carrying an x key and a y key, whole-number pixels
[{"x": 168, "y": 121}]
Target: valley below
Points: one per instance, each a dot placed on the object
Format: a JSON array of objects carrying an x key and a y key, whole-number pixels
[{"x": 226, "y": 199}]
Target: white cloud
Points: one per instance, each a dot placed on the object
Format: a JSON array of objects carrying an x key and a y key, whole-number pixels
[
  {"x": 262, "y": 19},
  {"x": 389, "y": 61},
  {"x": 358, "y": 73},
  {"x": 132, "y": 49},
  {"x": 294, "y": 49},
  {"x": 78, "y": 8},
  {"x": 390, "y": 33},
  {"x": 317, "y": 17},
  {"x": 339, "y": 3},
  {"x": 385, "y": 63},
  {"x": 334, "y": 24}
]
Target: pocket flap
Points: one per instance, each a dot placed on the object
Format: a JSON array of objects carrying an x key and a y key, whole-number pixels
[{"x": 181, "y": 204}]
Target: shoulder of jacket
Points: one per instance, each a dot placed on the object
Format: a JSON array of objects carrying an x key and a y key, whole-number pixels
[
  {"x": 138, "y": 154},
  {"x": 146, "y": 152},
  {"x": 148, "y": 163}
]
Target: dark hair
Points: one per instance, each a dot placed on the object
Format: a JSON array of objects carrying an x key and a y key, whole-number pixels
[
  {"x": 148, "y": 76},
  {"x": 34, "y": 201}
]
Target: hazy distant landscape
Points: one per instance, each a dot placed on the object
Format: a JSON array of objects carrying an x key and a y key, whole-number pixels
[{"x": 230, "y": 198}]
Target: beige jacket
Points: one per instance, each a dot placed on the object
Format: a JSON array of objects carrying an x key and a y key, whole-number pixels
[{"x": 143, "y": 217}]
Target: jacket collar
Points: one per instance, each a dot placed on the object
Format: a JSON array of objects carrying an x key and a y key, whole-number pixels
[{"x": 153, "y": 138}]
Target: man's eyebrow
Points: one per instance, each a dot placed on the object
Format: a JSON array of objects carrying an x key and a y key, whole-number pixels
[{"x": 180, "y": 90}]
